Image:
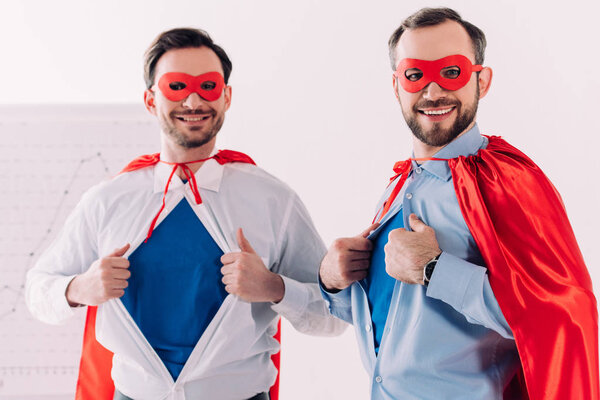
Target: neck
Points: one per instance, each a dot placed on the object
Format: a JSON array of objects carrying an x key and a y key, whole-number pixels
[
  {"x": 172, "y": 152},
  {"x": 422, "y": 150}
]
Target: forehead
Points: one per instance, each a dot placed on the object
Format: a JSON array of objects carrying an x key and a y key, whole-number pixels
[
  {"x": 435, "y": 42},
  {"x": 190, "y": 60}
]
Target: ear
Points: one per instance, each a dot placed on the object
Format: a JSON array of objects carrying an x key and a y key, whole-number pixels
[
  {"x": 485, "y": 80},
  {"x": 227, "y": 93},
  {"x": 149, "y": 101},
  {"x": 395, "y": 83}
]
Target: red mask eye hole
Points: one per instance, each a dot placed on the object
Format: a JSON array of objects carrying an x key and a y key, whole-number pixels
[
  {"x": 452, "y": 72},
  {"x": 177, "y": 85},
  {"x": 413, "y": 74},
  {"x": 208, "y": 85}
]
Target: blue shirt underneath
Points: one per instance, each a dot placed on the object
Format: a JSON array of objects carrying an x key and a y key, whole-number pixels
[
  {"x": 175, "y": 287},
  {"x": 448, "y": 340},
  {"x": 379, "y": 284}
]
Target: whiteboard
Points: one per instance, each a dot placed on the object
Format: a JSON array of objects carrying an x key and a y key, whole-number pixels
[{"x": 49, "y": 155}]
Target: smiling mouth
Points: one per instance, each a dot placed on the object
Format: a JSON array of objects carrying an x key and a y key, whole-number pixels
[
  {"x": 441, "y": 111},
  {"x": 195, "y": 118}
]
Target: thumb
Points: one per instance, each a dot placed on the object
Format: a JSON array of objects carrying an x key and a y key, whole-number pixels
[
  {"x": 243, "y": 242},
  {"x": 368, "y": 231},
  {"x": 416, "y": 224},
  {"x": 119, "y": 252}
]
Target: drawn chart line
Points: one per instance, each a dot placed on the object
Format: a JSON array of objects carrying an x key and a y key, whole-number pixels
[{"x": 20, "y": 290}]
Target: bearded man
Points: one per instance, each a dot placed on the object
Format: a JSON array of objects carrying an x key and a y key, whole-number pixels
[
  {"x": 190, "y": 254},
  {"x": 470, "y": 284}
]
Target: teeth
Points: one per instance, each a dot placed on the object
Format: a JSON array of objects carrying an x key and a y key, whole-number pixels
[
  {"x": 190, "y": 119},
  {"x": 437, "y": 112}
]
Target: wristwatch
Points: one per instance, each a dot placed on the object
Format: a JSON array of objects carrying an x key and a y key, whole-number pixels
[{"x": 428, "y": 270}]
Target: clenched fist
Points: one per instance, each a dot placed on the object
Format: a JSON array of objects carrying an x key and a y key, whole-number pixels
[
  {"x": 105, "y": 279},
  {"x": 246, "y": 276},
  {"x": 406, "y": 252},
  {"x": 346, "y": 261}
]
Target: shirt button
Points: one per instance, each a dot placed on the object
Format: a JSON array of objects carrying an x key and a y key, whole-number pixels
[
  {"x": 378, "y": 379},
  {"x": 419, "y": 170},
  {"x": 409, "y": 196},
  {"x": 368, "y": 328}
]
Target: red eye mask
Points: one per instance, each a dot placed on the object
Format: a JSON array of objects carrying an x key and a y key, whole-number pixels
[
  {"x": 451, "y": 73},
  {"x": 176, "y": 86}
]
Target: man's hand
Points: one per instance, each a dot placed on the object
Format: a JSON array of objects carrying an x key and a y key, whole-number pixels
[
  {"x": 245, "y": 275},
  {"x": 105, "y": 279},
  {"x": 406, "y": 252},
  {"x": 346, "y": 261}
]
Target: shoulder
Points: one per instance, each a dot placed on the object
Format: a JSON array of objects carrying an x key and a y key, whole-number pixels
[
  {"x": 127, "y": 185},
  {"x": 504, "y": 174},
  {"x": 498, "y": 159},
  {"x": 255, "y": 180},
  {"x": 500, "y": 151}
]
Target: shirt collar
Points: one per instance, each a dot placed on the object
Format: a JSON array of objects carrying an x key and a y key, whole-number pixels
[
  {"x": 208, "y": 176},
  {"x": 466, "y": 144}
]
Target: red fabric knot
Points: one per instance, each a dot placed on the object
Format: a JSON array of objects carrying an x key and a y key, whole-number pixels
[{"x": 191, "y": 180}]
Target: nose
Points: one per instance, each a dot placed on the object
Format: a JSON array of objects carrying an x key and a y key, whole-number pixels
[
  {"x": 433, "y": 91},
  {"x": 193, "y": 101}
]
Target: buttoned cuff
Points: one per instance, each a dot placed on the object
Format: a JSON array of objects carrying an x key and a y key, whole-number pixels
[
  {"x": 453, "y": 279},
  {"x": 295, "y": 299},
  {"x": 341, "y": 297}
]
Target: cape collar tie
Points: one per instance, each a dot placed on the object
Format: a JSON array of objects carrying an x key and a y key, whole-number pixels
[
  {"x": 222, "y": 157},
  {"x": 191, "y": 179}
]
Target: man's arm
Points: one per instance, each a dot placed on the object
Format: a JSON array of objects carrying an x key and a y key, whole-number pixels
[
  {"x": 69, "y": 273},
  {"x": 462, "y": 285},
  {"x": 70, "y": 254}
]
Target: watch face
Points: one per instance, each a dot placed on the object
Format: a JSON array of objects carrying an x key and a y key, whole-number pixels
[{"x": 429, "y": 269}]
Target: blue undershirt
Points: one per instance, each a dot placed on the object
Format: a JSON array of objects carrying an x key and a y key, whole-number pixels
[
  {"x": 175, "y": 287},
  {"x": 380, "y": 285}
]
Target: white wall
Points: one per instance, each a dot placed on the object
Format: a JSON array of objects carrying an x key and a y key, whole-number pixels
[{"x": 313, "y": 104}]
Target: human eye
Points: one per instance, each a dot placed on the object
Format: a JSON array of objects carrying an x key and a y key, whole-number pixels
[
  {"x": 450, "y": 72},
  {"x": 413, "y": 74},
  {"x": 177, "y": 85},
  {"x": 208, "y": 85}
]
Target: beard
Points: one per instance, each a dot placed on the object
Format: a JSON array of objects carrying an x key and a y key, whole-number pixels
[
  {"x": 195, "y": 139},
  {"x": 437, "y": 136}
]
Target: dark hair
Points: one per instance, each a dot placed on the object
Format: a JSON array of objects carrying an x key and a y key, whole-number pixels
[
  {"x": 436, "y": 16},
  {"x": 180, "y": 38}
]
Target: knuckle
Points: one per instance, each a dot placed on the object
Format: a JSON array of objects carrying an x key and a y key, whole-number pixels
[
  {"x": 338, "y": 244},
  {"x": 346, "y": 275}
]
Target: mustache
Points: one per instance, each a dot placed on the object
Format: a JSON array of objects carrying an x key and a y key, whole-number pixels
[{"x": 436, "y": 104}]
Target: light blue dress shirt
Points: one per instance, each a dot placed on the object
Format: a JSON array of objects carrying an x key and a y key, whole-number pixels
[{"x": 448, "y": 340}]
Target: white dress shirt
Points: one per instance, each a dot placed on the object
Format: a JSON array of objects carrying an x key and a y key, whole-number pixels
[{"x": 232, "y": 358}]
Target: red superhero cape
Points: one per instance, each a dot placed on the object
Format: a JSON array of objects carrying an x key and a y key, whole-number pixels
[
  {"x": 94, "y": 381},
  {"x": 535, "y": 268}
]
